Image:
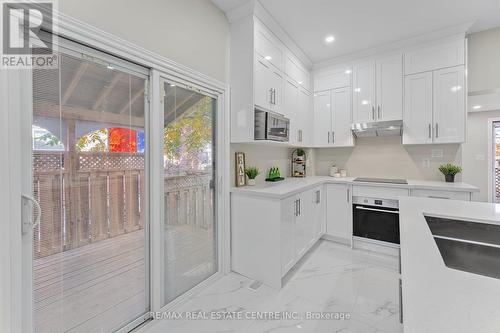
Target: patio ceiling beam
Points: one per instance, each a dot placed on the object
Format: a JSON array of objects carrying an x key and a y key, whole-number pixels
[
  {"x": 105, "y": 92},
  {"x": 128, "y": 105},
  {"x": 67, "y": 112},
  {"x": 74, "y": 82}
]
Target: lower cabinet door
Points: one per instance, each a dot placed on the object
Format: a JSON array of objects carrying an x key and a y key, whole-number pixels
[
  {"x": 303, "y": 224},
  {"x": 339, "y": 211},
  {"x": 288, "y": 212}
]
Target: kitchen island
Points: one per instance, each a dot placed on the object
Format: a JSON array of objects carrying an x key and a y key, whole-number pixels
[{"x": 437, "y": 298}]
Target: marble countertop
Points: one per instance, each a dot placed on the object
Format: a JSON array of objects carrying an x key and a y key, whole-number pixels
[
  {"x": 291, "y": 186},
  {"x": 437, "y": 298}
]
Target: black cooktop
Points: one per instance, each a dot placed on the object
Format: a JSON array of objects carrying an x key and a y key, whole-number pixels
[{"x": 381, "y": 180}]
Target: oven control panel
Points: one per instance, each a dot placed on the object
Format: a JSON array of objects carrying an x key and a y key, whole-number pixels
[{"x": 389, "y": 203}]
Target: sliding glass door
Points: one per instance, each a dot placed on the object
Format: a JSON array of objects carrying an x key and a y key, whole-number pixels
[
  {"x": 189, "y": 230},
  {"x": 90, "y": 250}
]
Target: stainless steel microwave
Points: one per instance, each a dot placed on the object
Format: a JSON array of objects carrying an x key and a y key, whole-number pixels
[{"x": 271, "y": 126}]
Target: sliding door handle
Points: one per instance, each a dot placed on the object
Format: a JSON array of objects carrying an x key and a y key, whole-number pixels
[{"x": 38, "y": 214}]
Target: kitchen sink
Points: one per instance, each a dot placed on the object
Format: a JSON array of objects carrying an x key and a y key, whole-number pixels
[{"x": 467, "y": 246}]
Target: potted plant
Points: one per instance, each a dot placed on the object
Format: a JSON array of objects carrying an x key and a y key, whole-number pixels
[
  {"x": 252, "y": 173},
  {"x": 449, "y": 171},
  {"x": 300, "y": 154}
]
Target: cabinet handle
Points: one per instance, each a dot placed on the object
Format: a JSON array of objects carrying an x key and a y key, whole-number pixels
[
  {"x": 400, "y": 301},
  {"x": 328, "y": 136},
  {"x": 300, "y": 135},
  {"x": 295, "y": 208},
  {"x": 437, "y": 130},
  {"x": 348, "y": 192},
  {"x": 299, "y": 207},
  {"x": 430, "y": 131},
  {"x": 271, "y": 96},
  {"x": 373, "y": 112},
  {"x": 379, "y": 112},
  {"x": 333, "y": 136},
  {"x": 274, "y": 96},
  {"x": 318, "y": 197}
]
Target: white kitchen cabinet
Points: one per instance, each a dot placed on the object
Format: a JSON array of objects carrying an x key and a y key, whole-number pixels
[
  {"x": 322, "y": 119},
  {"x": 442, "y": 194},
  {"x": 268, "y": 86},
  {"x": 438, "y": 55},
  {"x": 260, "y": 64},
  {"x": 290, "y": 107},
  {"x": 389, "y": 87},
  {"x": 304, "y": 118},
  {"x": 378, "y": 90},
  {"x": 287, "y": 233},
  {"x": 364, "y": 92},
  {"x": 333, "y": 79},
  {"x": 318, "y": 217},
  {"x": 339, "y": 212},
  {"x": 341, "y": 118},
  {"x": 434, "y": 109},
  {"x": 332, "y": 118},
  {"x": 449, "y": 105},
  {"x": 418, "y": 109},
  {"x": 269, "y": 236}
]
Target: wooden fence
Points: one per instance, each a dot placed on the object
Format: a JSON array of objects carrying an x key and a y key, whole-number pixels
[{"x": 88, "y": 197}]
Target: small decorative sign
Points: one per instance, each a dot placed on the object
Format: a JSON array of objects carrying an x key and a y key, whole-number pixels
[{"x": 240, "y": 169}]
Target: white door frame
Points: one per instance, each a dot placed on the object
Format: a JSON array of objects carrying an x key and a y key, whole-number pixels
[
  {"x": 491, "y": 159},
  {"x": 15, "y": 105}
]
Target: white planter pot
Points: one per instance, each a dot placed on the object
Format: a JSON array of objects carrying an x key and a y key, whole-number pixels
[{"x": 251, "y": 182}]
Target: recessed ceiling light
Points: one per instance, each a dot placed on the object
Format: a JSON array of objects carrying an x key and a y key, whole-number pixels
[
  {"x": 110, "y": 67},
  {"x": 172, "y": 85},
  {"x": 456, "y": 88},
  {"x": 477, "y": 107},
  {"x": 348, "y": 71},
  {"x": 364, "y": 102},
  {"x": 357, "y": 89},
  {"x": 268, "y": 58},
  {"x": 329, "y": 39},
  {"x": 300, "y": 82}
]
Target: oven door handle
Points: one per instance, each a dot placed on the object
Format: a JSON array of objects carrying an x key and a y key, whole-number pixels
[{"x": 378, "y": 210}]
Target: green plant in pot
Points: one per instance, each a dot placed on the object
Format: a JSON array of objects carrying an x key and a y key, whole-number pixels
[
  {"x": 449, "y": 171},
  {"x": 252, "y": 173},
  {"x": 301, "y": 154}
]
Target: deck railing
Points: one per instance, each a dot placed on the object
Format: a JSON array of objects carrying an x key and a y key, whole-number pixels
[{"x": 88, "y": 197}]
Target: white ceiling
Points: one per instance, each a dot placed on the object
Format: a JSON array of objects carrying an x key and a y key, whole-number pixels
[{"x": 363, "y": 24}]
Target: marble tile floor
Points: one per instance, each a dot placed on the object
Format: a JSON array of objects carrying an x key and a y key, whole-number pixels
[{"x": 331, "y": 279}]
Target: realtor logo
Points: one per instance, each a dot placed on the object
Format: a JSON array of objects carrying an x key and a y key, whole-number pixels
[{"x": 26, "y": 38}]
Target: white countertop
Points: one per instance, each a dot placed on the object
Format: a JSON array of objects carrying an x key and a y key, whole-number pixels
[
  {"x": 291, "y": 186},
  {"x": 437, "y": 298}
]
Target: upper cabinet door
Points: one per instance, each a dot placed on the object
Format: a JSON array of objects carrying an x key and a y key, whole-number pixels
[
  {"x": 305, "y": 117},
  {"x": 267, "y": 46},
  {"x": 290, "y": 106},
  {"x": 341, "y": 118},
  {"x": 389, "y": 74},
  {"x": 262, "y": 86},
  {"x": 364, "y": 92},
  {"x": 322, "y": 119},
  {"x": 417, "y": 117},
  {"x": 332, "y": 79},
  {"x": 276, "y": 82},
  {"x": 449, "y": 105},
  {"x": 439, "y": 55}
]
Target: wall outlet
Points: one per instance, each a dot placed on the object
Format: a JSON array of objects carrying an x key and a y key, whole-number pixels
[
  {"x": 426, "y": 163},
  {"x": 436, "y": 153}
]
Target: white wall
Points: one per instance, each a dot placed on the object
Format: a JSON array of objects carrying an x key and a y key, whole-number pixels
[
  {"x": 386, "y": 157},
  {"x": 194, "y": 33},
  {"x": 484, "y": 60}
]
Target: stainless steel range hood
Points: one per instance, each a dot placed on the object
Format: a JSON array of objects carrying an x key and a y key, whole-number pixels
[{"x": 379, "y": 128}]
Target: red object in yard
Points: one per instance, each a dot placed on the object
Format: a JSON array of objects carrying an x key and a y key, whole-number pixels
[{"x": 122, "y": 140}]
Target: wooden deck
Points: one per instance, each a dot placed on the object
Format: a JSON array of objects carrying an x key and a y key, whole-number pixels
[
  {"x": 93, "y": 288},
  {"x": 100, "y": 286}
]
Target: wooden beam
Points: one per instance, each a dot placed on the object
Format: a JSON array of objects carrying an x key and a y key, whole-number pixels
[
  {"x": 74, "y": 82},
  {"x": 105, "y": 92},
  {"x": 128, "y": 105},
  {"x": 67, "y": 112}
]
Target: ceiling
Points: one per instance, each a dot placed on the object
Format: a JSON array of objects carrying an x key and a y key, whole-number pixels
[{"x": 363, "y": 24}]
